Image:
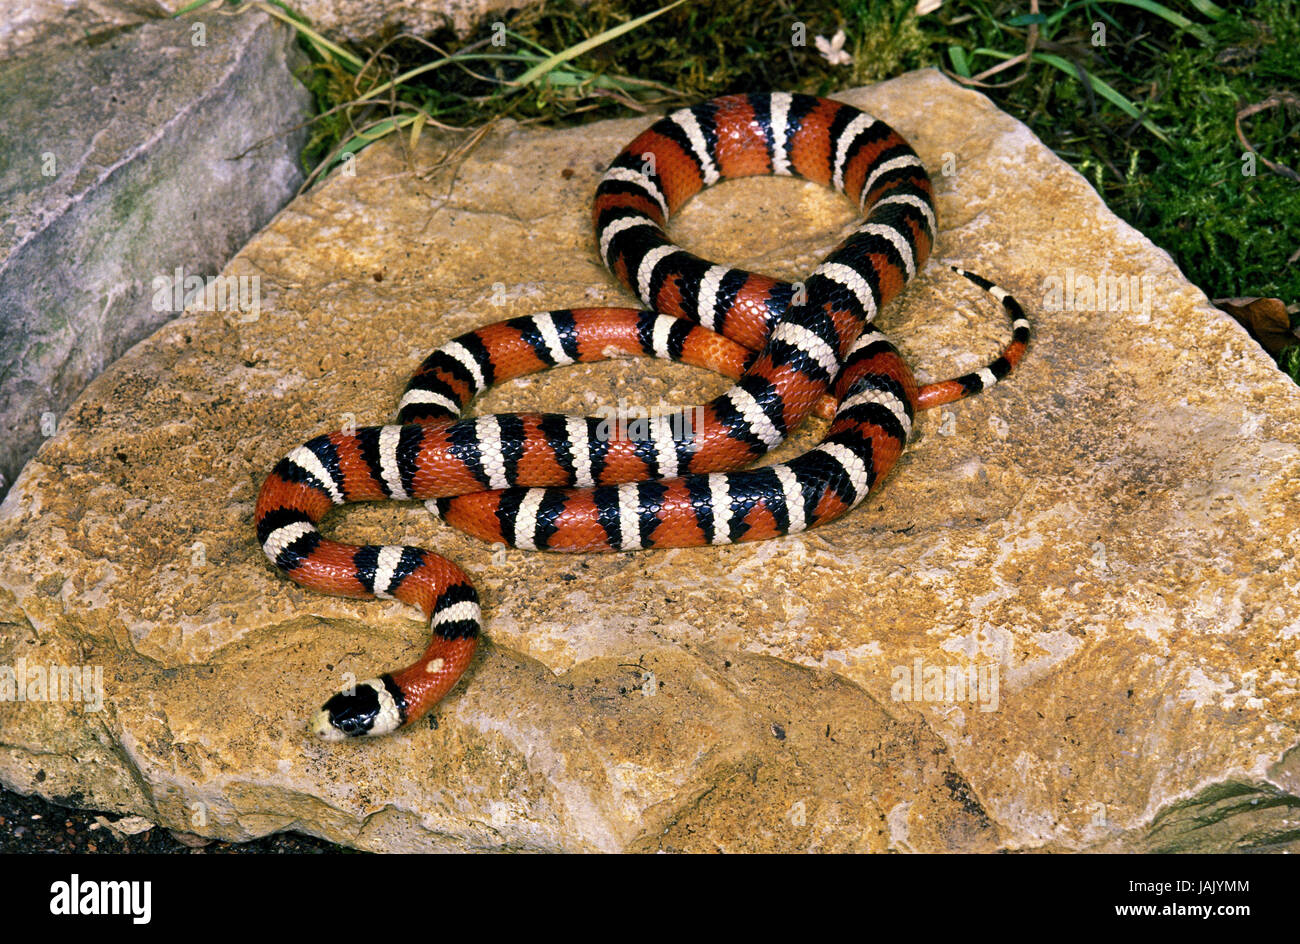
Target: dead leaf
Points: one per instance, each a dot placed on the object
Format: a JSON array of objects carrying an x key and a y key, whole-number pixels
[
  {"x": 1265, "y": 318},
  {"x": 128, "y": 826}
]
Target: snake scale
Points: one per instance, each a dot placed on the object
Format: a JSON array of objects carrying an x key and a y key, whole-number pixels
[{"x": 563, "y": 483}]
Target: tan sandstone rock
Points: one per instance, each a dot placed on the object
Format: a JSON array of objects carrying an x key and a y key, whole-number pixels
[{"x": 1106, "y": 542}]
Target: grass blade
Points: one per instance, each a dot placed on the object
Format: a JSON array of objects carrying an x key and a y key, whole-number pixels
[
  {"x": 1176, "y": 19},
  {"x": 416, "y": 127},
  {"x": 1098, "y": 86},
  {"x": 1102, "y": 89},
  {"x": 317, "y": 39},
  {"x": 1206, "y": 8},
  {"x": 519, "y": 38},
  {"x": 191, "y": 7},
  {"x": 406, "y": 77},
  {"x": 564, "y": 55},
  {"x": 960, "y": 64}
]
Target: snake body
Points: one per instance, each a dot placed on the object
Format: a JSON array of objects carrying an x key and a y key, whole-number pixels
[{"x": 564, "y": 483}]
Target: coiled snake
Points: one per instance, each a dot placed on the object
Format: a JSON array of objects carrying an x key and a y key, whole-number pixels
[{"x": 564, "y": 483}]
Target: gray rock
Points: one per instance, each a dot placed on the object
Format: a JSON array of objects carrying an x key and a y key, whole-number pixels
[
  {"x": 362, "y": 20},
  {"x": 52, "y": 22},
  {"x": 23, "y": 22},
  {"x": 121, "y": 161}
]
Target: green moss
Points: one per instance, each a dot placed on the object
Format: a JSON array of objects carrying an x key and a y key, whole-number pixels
[{"x": 1230, "y": 225}]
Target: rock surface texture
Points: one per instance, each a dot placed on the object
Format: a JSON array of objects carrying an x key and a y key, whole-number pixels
[
  {"x": 1103, "y": 548},
  {"x": 54, "y": 22},
  {"x": 122, "y": 160},
  {"x": 363, "y": 20},
  {"x": 49, "y": 22}
]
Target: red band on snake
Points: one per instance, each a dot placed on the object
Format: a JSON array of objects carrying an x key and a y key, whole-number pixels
[{"x": 566, "y": 483}]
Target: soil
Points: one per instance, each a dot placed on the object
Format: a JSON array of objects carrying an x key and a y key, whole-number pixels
[{"x": 31, "y": 824}]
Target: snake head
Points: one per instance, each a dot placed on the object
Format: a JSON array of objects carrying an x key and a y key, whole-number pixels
[{"x": 371, "y": 707}]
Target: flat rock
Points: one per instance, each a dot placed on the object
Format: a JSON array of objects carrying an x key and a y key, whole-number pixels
[
  {"x": 1104, "y": 547},
  {"x": 101, "y": 145}
]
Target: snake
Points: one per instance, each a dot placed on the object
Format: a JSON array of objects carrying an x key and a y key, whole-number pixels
[{"x": 555, "y": 482}]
